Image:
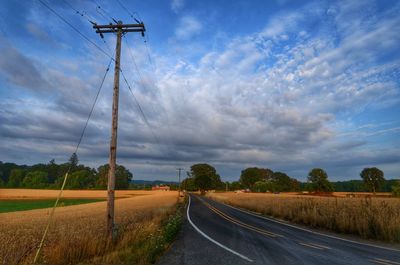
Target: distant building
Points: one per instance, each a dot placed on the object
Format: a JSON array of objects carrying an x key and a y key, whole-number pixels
[{"x": 157, "y": 187}]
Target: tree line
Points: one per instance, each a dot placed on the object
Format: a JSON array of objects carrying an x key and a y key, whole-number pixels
[
  {"x": 204, "y": 177},
  {"x": 51, "y": 175}
]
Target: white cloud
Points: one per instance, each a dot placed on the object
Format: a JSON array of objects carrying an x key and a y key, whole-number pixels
[
  {"x": 188, "y": 27},
  {"x": 177, "y": 5},
  {"x": 254, "y": 102}
]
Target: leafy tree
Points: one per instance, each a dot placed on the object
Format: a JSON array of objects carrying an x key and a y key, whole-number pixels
[
  {"x": 189, "y": 185},
  {"x": 236, "y": 185},
  {"x": 35, "y": 180},
  {"x": 5, "y": 170},
  {"x": 261, "y": 186},
  {"x": 52, "y": 170},
  {"x": 349, "y": 186},
  {"x": 396, "y": 189},
  {"x": 84, "y": 178},
  {"x": 251, "y": 175},
  {"x": 373, "y": 178},
  {"x": 281, "y": 182},
  {"x": 16, "y": 178},
  {"x": 205, "y": 177},
  {"x": 319, "y": 181},
  {"x": 122, "y": 177},
  {"x": 73, "y": 160}
]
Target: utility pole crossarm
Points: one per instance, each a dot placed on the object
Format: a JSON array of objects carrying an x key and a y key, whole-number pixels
[{"x": 123, "y": 27}]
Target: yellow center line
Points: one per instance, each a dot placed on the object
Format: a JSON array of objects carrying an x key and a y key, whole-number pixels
[
  {"x": 381, "y": 262},
  {"x": 311, "y": 246},
  {"x": 321, "y": 246},
  {"x": 237, "y": 222},
  {"x": 388, "y": 261}
]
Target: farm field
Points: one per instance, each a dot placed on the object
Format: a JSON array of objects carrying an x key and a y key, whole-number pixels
[
  {"x": 370, "y": 218},
  {"x": 45, "y": 194},
  {"x": 27, "y": 204},
  {"x": 76, "y": 233}
]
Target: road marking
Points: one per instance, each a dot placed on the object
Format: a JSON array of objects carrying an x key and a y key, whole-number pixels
[
  {"x": 210, "y": 239},
  {"x": 319, "y": 245},
  {"x": 313, "y": 245},
  {"x": 381, "y": 262},
  {"x": 238, "y": 222},
  {"x": 310, "y": 231},
  {"x": 385, "y": 261}
]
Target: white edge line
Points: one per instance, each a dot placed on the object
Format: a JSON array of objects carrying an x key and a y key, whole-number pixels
[
  {"x": 310, "y": 231},
  {"x": 212, "y": 240}
]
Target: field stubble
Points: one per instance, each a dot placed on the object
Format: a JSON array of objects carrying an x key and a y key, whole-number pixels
[
  {"x": 77, "y": 232},
  {"x": 370, "y": 218}
]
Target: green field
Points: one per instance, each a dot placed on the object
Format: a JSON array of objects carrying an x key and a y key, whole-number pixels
[{"x": 24, "y": 205}]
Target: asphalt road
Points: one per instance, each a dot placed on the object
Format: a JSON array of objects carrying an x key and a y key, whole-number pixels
[{"x": 215, "y": 233}]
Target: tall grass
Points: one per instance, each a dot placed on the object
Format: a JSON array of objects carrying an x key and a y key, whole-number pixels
[
  {"x": 140, "y": 239},
  {"x": 371, "y": 218}
]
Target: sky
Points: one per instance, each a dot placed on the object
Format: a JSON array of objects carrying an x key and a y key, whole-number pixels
[{"x": 288, "y": 85}]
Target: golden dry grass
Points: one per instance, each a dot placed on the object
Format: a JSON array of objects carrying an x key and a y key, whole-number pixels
[
  {"x": 77, "y": 231},
  {"x": 15, "y": 194},
  {"x": 373, "y": 218}
]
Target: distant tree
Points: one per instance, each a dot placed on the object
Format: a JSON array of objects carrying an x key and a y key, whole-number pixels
[
  {"x": 319, "y": 181},
  {"x": 396, "y": 189},
  {"x": 52, "y": 170},
  {"x": 205, "y": 177},
  {"x": 189, "y": 185},
  {"x": 295, "y": 185},
  {"x": 122, "y": 177},
  {"x": 349, "y": 186},
  {"x": 16, "y": 178},
  {"x": 2, "y": 184},
  {"x": 236, "y": 185},
  {"x": 281, "y": 182},
  {"x": 5, "y": 170},
  {"x": 82, "y": 179},
  {"x": 261, "y": 186},
  {"x": 251, "y": 175},
  {"x": 35, "y": 180},
  {"x": 73, "y": 160},
  {"x": 373, "y": 178}
]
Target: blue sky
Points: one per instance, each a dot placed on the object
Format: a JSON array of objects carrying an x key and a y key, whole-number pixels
[{"x": 288, "y": 85}]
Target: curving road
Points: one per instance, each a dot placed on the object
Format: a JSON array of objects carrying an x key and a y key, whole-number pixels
[{"x": 220, "y": 234}]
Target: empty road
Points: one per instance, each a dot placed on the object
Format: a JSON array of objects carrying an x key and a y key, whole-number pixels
[{"x": 219, "y": 234}]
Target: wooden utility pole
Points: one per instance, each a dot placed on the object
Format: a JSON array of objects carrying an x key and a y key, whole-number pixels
[
  {"x": 179, "y": 183},
  {"x": 119, "y": 29}
]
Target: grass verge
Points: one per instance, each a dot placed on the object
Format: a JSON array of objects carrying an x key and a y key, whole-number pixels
[
  {"x": 25, "y": 205},
  {"x": 145, "y": 244}
]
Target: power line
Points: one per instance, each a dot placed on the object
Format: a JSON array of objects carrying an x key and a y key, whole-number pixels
[
  {"x": 134, "y": 62},
  {"x": 70, "y": 166},
  {"x": 140, "y": 109},
  {"x": 74, "y": 28},
  {"x": 98, "y": 7},
  {"x": 91, "y": 21},
  {"x": 129, "y": 12},
  {"x": 80, "y": 13}
]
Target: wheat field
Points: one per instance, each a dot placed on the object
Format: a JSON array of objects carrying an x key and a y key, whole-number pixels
[
  {"x": 370, "y": 218},
  {"x": 76, "y": 232}
]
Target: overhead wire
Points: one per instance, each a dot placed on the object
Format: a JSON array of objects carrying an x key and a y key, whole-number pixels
[
  {"x": 106, "y": 13},
  {"x": 140, "y": 108},
  {"x": 80, "y": 13},
  {"x": 70, "y": 166},
  {"x": 108, "y": 55},
  {"x": 74, "y": 28}
]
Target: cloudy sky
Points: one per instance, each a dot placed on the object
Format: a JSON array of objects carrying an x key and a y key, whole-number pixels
[{"x": 288, "y": 85}]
